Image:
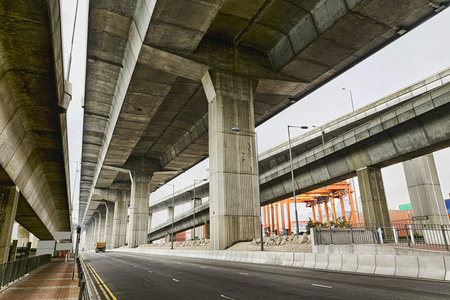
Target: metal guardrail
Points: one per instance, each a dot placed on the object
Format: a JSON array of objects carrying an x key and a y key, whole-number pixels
[
  {"x": 87, "y": 291},
  {"x": 11, "y": 271},
  {"x": 423, "y": 236}
]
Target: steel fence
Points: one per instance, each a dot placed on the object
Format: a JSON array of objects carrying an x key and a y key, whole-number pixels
[
  {"x": 14, "y": 270},
  {"x": 425, "y": 236},
  {"x": 84, "y": 281}
]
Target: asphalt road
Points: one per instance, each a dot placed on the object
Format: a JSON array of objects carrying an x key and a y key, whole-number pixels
[{"x": 142, "y": 276}]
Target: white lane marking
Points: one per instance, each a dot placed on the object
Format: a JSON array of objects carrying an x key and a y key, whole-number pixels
[
  {"x": 324, "y": 286},
  {"x": 178, "y": 263},
  {"x": 203, "y": 267},
  {"x": 135, "y": 266},
  {"x": 243, "y": 273},
  {"x": 175, "y": 280},
  {"x": 223, "y": 296},
  {"x": 150, "y": 271}
]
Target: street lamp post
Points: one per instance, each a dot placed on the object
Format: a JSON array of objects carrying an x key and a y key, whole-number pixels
[
  {"x": 259, "y": 192},
  {"x": 173, "y": 212},
  {"x": 193, "y": 227},
  {"x": 351, "y": 97}
]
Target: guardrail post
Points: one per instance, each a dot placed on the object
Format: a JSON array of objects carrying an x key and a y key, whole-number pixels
[
  {"x": 331, "y": 236},
  {"x": 351, "y": 234},
  {"x": 445, "y": 237},
  {"x": 412, "y": 235},
  {"x": 407, "y": 236},
  {"x": 380, "y": 235},
  {"x": 395, "y": 234}
]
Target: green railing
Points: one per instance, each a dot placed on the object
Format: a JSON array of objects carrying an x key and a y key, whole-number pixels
[{"x": 13, "y": 270}]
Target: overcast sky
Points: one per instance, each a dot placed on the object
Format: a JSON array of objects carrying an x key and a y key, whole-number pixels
[{"x": 416, "y": 55}]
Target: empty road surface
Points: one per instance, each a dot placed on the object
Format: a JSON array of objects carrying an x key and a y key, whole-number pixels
[{"x": 121, "y": 275}]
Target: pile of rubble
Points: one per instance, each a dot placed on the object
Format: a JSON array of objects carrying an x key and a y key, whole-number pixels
[
  {"x": 283, "y": 240},
  {"x": 196, "y": 243}
]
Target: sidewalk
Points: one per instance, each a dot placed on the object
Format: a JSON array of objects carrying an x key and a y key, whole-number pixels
[{"x": 52, "y": 281}]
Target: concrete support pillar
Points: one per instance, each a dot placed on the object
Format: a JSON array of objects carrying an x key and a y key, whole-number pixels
[
  {"x": 95, "y": 234},
  {"x": 102, "y": 223},
  {"x": 150, "y": 217},
  {"x": 140, "y": 196},
  {"x": 9, "y": 197},
  {"x": 83, "y": 239},
  {"x": 120, "y": 219},
  {"x": 424, "y": 189},
  {"x": 207, "y": 230},
  {"x": 23, "y": 236},
  {"x": 234, "y": 197},
  {"x": 373, "y": 197},
  {"x": 13, "y": 253},
  {"x": 34, "y": 242},
  {"x": 109, "y": 224}
]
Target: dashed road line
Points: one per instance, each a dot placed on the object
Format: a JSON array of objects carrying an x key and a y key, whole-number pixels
[
  {"x": 223, "y": 296},
  {"x": 324, "y": 286},
  {"x": 175, "y": 280},
  {"x": 246, "y": 274}
]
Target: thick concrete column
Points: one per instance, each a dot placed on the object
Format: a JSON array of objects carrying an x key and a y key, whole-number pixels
[
  {"x": 424, "y": 189},
  {"x": 120, "y": 219},
  {"x": 109, "y": 224},
  {"x": 23, "y": 236},
  {"x": 373, "y": 197},
  {"x": 207, "y": 230},
  {"x": 140, "y": 197},
  {"x": 150, "y": 217},
  {"x": 102, "y": 225},
  {"x": 34, "y": 242},
  {"x": 95, "y": 235},
  {"x": 9, "y": 197},
  {"x": 234, "y": 198}
]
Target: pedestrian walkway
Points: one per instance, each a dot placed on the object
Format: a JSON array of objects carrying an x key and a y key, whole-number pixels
[{"x": 52, "y": 281}]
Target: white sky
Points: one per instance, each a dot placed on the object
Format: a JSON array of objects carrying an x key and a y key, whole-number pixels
[{"x": 416, "y": 55}]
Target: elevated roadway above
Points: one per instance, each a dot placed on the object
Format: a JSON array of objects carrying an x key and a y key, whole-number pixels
[
  {"x": 166, "y": 80},
  {"x": 34, "y": 165},
  {"x": 407, "y": 124}
]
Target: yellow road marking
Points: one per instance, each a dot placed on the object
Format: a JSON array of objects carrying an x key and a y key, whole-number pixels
[
  {"x": 102, "y": 284},
  {"x": 98, "y": 283}
]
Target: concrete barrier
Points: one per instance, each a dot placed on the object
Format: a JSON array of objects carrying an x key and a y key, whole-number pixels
[
  {"x": 349, "y": 262},
  {"x": 334, "y": 261},
  {"x": 310, "y": 260},
  {"x": 431, "y": 267},
  {"x": 321, "y": 261},
  {"x": 407, "y": 266},
  {"x": 271, "y": 258},
  {"x": 447, "y": 267},
  {"x": 263, "y": 258},
  {"x": 366, "y": 263},
  {"x": 385, "y": 265},
  {"x": 299, "y": 260},
  {"x": 286, "y": 259}
]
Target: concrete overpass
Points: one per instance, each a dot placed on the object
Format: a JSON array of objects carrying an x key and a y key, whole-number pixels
[
  {"x": 34, "y": 165},
  {"x": 405, "y": 125},
  {"x": 167, "y": 79}
]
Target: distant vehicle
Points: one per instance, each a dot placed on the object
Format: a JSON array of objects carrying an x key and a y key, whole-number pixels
[{"x": 100, "y": 246}]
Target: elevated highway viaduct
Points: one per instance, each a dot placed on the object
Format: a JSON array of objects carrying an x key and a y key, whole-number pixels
[
  {"x": 167, "y": 80},
  {"x": 34, "y": 97},
  {"x": 378, "y": 135}
]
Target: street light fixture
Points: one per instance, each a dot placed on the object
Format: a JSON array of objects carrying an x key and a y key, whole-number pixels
[
  {"x": 193, "y": 227},
  {"x": 257, "y": 171},
  {"x": 351, "y": 97},
  {"x": 173, "y": 207}
]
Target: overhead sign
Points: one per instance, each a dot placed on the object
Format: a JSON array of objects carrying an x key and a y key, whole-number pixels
[{"x": 406, "y": 206}]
